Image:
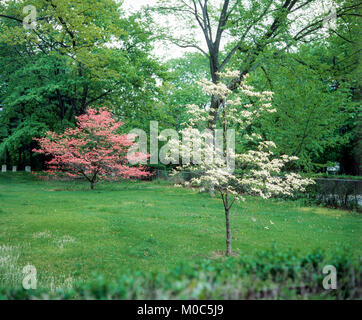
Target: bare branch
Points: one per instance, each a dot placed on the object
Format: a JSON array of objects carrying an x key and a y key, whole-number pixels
[
  {"x": 222, "y": 22},
  {"x": 11, "y": 18}
]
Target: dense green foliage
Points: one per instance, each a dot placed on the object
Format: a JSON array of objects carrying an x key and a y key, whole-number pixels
[
  {"x": 82, "y": 53},
  {"x": 310, "y": 110},
  {"x": 267, "y": 274}
]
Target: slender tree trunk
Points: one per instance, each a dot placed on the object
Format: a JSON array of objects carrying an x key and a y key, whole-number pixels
[
  {"x": 92, "y": 185},
  {"x": 227, "y": 220},
  {"x": 228, "y": 233}
]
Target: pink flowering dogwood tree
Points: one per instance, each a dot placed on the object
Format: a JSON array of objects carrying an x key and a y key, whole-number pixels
[{"x": 93, "y": 150}]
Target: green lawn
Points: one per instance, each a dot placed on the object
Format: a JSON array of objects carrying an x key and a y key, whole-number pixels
[{"x": 67, "y": 231}]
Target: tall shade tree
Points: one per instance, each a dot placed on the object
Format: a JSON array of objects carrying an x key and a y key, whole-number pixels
[
  {"x": 343, "y": 56},
  {"x": 317, "y": 94},
  {"x": 241, "y": 31},
  {"x": 93, "y": 150}
]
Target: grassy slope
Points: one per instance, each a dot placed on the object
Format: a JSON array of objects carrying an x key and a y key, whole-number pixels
[{"x": 65, "y": 230}]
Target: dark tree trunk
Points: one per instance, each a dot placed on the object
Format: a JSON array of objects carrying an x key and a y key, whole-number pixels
[
  {"x": 214, "y": 106},
  {"x": 93, "y": 180},
  {"x": 7, "y": 157}
]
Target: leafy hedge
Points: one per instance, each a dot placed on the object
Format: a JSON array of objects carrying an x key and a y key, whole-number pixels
[{"x": 270, "y": 274}]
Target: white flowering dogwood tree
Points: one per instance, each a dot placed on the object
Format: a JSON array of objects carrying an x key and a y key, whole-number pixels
[{"x": 216, "y": 166}]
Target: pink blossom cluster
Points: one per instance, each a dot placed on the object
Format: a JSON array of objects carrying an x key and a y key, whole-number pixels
[{"x": 93, "y": 150}]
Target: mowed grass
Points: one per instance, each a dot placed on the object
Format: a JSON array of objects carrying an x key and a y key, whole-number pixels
[{"x": 69, "y": 232}]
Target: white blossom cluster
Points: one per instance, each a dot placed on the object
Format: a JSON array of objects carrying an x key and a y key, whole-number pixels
[
  {"x": 258, "y": 171},
  {"x": 262, "y": 173},
  {"x": 229, "y": 74},
  {"x": 220, "y": 89}
]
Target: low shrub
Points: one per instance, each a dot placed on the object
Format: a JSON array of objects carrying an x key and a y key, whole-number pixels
[{"x": 267, "y": 274}]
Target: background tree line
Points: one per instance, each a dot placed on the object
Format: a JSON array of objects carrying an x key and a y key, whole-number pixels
[{"x": 91, "y": 53}]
